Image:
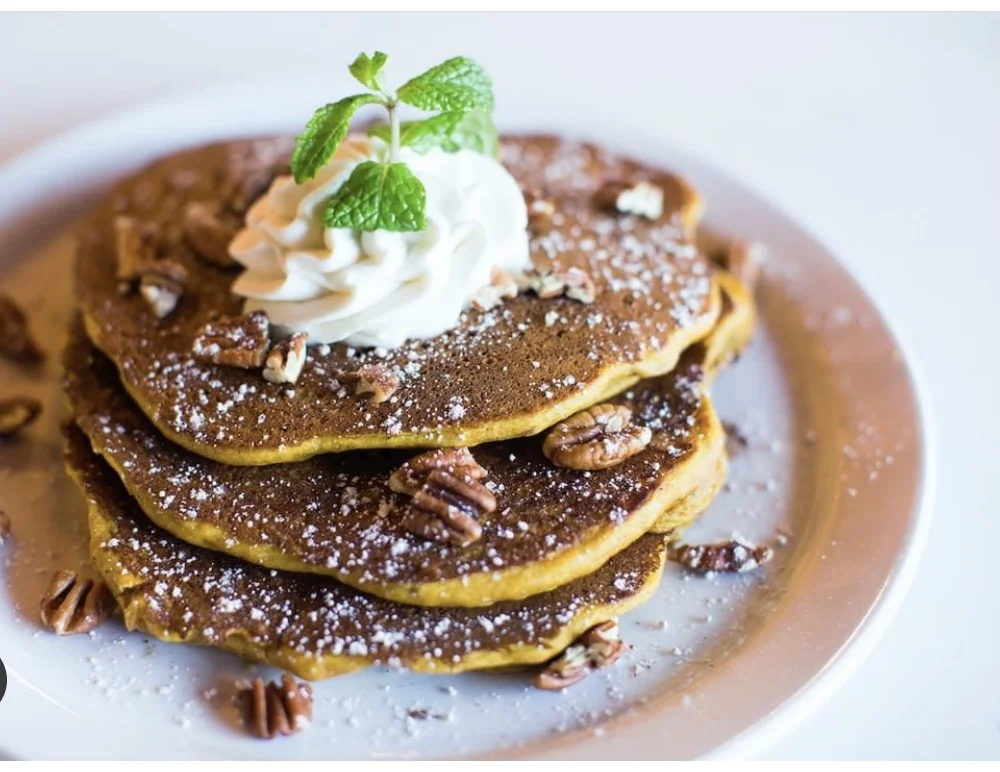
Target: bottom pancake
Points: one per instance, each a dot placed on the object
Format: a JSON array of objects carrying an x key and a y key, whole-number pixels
[{"x": 314, "y": 626}]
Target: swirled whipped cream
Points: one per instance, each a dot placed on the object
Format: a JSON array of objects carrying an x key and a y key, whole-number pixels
[{"x": 380, "y": 288}]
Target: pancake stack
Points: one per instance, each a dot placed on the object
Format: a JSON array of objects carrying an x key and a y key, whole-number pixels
[{"x": 482, "y": 499}]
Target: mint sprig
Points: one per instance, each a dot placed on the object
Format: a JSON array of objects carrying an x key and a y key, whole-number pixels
[{"x": 386, "y": 195}]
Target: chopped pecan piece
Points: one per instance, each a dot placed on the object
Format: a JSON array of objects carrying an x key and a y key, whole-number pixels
[
  {"x": 596, "y": 438},
  {"x": 599, "y": 647},
  {"x": 376, "y": 380},
  {"x": 236, "y": 341},
  {"x": 446, "y": 509},
  {"x": 639, "y": 198},
  {"x": 161, "y": 293},
  {"x": 16, "y": 342},
  {"x": 540, "y": 209},
  {"x": 573, "y": 283},
  {"x": 284, "y": 362},
  {"x": 727, "y": 557},
  {"x": 743, "y": 259},
  {"x": 579, "y": 285},
  {"x": 74, "y": 605},
  {"x": 208, "y": 235},
  {"x": 135, "y": 246},
  {"x": 274, "y": 709},
  {"x": 16, "y": 413},
  {"x": 546, "y": 284},
  {"x": 160, "y": 281},
  {"x": 4, "y": 527},
  {"x": 502, "y": 285},
  {"x": 410, "y": 477}
]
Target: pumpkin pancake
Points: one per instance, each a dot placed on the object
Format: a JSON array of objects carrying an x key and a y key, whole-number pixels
[
  {"x": 336, "y": 515},
  {"x": 511, "y": 371},
  {"x": 316, "y": 627}
]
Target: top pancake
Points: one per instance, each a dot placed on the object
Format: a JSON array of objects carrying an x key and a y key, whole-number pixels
[{"x": 511, "y": 371}]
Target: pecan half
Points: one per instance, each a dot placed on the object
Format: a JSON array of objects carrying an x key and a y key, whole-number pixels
[
  {"x": 135, "y": 246},
  {"x": 17, "y": 413},
  {"x": 16, "y": 342},
  {"x": 502, "y": 285},
  {"x": 744, "y": 260},
  {"x": 639, "y": 198},
  {"x": 74, "y": 605},
  {"x": 284, "y": 362},
  {"x": 236, "y": 341},
  {"x": 446, "y": 509},
  {"x": 274, "y": 708},
  {"x": 410, "y": 477},
  {"x": 734, "y": 556},
  {"x": 596, "y": 438},
  {"x": 599, "y": 647},
  {"x": 4, "y": 527},
  {"x": 208, "y": 235},
  {"x": 376, "y": 380}
]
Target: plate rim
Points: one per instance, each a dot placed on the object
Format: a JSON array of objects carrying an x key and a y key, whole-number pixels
[{"x": 764, "y": 731}]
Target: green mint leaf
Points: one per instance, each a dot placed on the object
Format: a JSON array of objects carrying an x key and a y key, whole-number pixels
[
  {"x": 422, "y": 136},
  {"x": 450, "y": 131},
  {"x": 323, "y": 135},
  {"x": 378, "y": 197},
  {"x": 367, "y": 70},
  {"x": 458, "y": 84},
  {"x": 475, "y": 132}
]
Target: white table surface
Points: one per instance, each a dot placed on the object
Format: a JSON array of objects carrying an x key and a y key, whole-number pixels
[{"x": 880, "y": 134}]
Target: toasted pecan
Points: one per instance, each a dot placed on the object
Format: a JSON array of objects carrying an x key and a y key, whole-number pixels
[
  {"x": 236, "y": 341},
  {"x": 599, "y": 647},
  {"x": 409, "y": 477},
  {"x": 640, "y": 198},
  {"x": 285, "y": 361},
  {"x": 73, "y": 604},
  {"x": 599, "y": 437},
  {"x": 274, "y": 708},
  {"x": 376, "y": 380},
  {"x": 735, "y": 556}
]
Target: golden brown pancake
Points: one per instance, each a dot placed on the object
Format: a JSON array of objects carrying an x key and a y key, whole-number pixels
[
  {"x": 511, "y": 371},
  {"x": 314, "y": 626},
  {"x": 336, "y": 515}
]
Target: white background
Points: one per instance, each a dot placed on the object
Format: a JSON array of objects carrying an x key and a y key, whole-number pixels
[{"x": 880, "y": 134}]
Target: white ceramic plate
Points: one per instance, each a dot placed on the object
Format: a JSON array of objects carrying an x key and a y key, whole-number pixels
[{"x": 837, "y": 462}]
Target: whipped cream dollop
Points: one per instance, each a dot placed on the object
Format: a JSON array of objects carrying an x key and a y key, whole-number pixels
[{"x": 380, "y": 288}]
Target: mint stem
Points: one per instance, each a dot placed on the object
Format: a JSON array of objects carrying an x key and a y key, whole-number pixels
[{"x": 393, "y": 132}]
